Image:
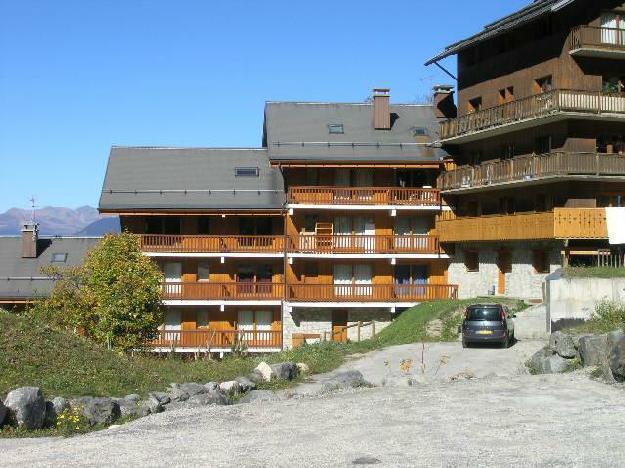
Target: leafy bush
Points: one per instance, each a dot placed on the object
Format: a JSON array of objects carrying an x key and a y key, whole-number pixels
[{"x": 71, "y": 421}]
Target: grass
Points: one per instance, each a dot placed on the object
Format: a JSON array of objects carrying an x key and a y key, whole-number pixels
[
  {"x": 608, "y": 316},
  {"x": 594, "y": 272}
]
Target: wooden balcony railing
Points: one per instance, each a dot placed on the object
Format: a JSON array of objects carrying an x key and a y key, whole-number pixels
[
  {"x": 535, "y": 166},
  {"x": 561, "y": 223},
  {"x": 226, "y": 291},
  {"x": 210, "y": 339},
  {"x": 371, "y": 292},
  {"x": 582, "y": 37},
  {"x": 539, "y": 105},
  {"x": 212, "y": 244},
  {"x": 364, "y": 244},
  {"x": 364, "y": 196}
]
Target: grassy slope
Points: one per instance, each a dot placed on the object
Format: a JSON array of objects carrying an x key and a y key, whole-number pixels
[
  {"x": 68, "y": 365},
  {"x": 594, "y": 272}
]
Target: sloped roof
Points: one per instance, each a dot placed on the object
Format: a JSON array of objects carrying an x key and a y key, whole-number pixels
[
  {"x": 299, "y": 131},
  {"x": 21, "y": 278},
  {"x": 187, "y": 179},
  {"x": 531, "y": 12}
]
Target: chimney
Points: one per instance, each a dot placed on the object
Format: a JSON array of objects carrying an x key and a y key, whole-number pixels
[
  {"x": 30, "y": 236},
  {"x": 444, "y": 106},
  {"x": 382, "y": 109}
]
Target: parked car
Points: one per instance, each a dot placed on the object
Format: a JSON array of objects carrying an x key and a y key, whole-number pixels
[{"x": 487, "y": 323}]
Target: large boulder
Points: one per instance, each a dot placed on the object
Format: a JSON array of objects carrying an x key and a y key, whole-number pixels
[
  {"x": 211, "y": 398},
  {"x": 53, "y": 409},
  {"x": 3, "y": 413},
  {"x": 26, "y": 407},
  {"x": 98, "y": 410},
  {"x": 259, "y": 396},
  {"x": 245, "y": 384},
  {"x": 545, "y": 361},
  {"x": 129, "y": 406},
  {"x": 230, "y": 388},
  {"x": 562, "y": 344},
  {"x": 285, "y": 370},
  {"x": 182, "y": 392},
  {"x": 616, "y": 359},
  {"x": 303, "y": 368},
  {"x": 593, "y": 350},
  {"x": 153, "y": 404},
  {"x": 161, "y": 397},
  {"x": 345, "y": 380},
  {"x": 212, "y": 386},
  {"x": 265, "y": 371}
]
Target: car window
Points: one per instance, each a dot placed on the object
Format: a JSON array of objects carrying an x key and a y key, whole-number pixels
[{"x": 484, "y": 314}]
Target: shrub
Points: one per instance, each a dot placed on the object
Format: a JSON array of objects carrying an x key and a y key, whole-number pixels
[
  {"x": 71, "y": 421},
  {"x": 609, "y": 315}
]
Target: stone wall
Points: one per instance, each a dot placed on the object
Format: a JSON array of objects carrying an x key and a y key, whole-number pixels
[{"x": 523, "y": 281}]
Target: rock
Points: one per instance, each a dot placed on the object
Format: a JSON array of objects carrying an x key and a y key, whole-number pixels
[
  {"x": 212, "y": 398},
  {"x": 593, "y": 350},
  {"x": 617, "y": 359},
  {"x": 255, "y": 377},
  {"x": 259, "y": 396},
  {"x": 285, "y": 370},
  {"x": 562, "y": 344},
  {"x": 26, "y": 408},
  {"x": 545, "y": 361},
  {"x": 161, "y": 397},
  {"x": 53, "y": 409},
  {"x": 345, "y": 380},
  {"x": 366, "y": 461},
  {"x": 131, "y": 407},
  {"x": 153, "y": 404},
  {"x": 230, "y": 388},
  {"x": 211, "y": 386},
  {"x": 398, "y": 381},
  {"x": 182, "y": 392},
  {"x": 245, "y": 384},
  {"x": 3, "y": 413},
  {"x": 98, "y": 410},
  {"x": 265, "y": 371},
  {"x": 133, "y": 397},
  {"x": 303, "y": 368}
]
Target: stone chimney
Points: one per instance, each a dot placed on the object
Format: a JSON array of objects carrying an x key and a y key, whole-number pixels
[
  {"x": 382, "y": 109},
  {"x": 444, "y": 106},
  {"x": 30, "y": 236}
]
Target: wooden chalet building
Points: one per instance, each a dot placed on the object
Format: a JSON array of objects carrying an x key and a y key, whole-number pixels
[
  {"x": 539, "y": 146},
  {"x": 330, "y": 223}
]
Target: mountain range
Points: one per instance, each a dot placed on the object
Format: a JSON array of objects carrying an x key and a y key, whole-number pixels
[{"x": 60, "y": 221}]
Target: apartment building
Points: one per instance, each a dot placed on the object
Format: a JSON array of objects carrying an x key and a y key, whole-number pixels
[
  {"x": 331, "y": 222},
  {"x": 539, "y": 143}
]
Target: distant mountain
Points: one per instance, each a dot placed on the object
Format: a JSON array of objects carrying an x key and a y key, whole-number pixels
[{"x": 60, "y": 221}]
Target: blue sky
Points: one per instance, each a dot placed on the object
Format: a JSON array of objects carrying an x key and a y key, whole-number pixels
[{"x": 79, "y": 76}]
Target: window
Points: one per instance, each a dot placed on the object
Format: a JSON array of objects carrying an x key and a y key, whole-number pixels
[
  {"x": 162, "y": 225},
  {"x": 311, "y": 270},
  {"x": 335, "y": 129},
  {"x": 419, "y": 131},
  {"x": 613, "y": 84},
  {"x": 203, "y": 271},
  {"x": 543, "y": 85},
  {"x": 541, "y": 261},
  {"x": 506, "y": 95},
  {"x": 613, "y": 28},
  {"x": 474, "y": 105},
  {"x": 507, "y": 151},
  {"x": 246, "y": 172},
  {"x": 310, "y": 223},
  {"x": 472, "y": 260},
  {"x": 59, "y": 257},
  {"x": 542, "y": 145},
  {"x": 506, "y": 205},
  {"x": 202, "y": 319},
  {"x": 203, "y": 225},
  {"x": 312, "y": 176}
]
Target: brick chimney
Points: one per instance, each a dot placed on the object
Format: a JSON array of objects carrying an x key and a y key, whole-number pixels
[
  {"x": 444, "y": 106},
  {"x": 382, "y": 109},
  {"x": 30, "y": 236}
]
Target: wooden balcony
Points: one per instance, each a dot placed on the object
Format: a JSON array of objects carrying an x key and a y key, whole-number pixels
[
  {"x": 561, "y": 223},
  {"x": 370, "y": 292},
  {"x": 206, "y": 339},
  {"x": 363, "y": 196},
  {"x": 364, "y": 244},
  {"x": 588, "y": 41},
  {"x": 205, "y": 290},
  {"x": 532, "y": 167},
  {"x": 549, "y": 104},
  {"x": 211, "y": 244}
]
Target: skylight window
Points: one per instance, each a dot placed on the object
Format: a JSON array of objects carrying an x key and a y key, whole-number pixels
[
  {"x": 335, "y": 129},
  {"x": 420, "y": 131},
  {"x": 246, "y": 172},
  {"x": 59, "y": 257}
]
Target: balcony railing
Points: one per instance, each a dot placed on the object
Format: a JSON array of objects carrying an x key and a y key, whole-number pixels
[
  {"x": 210, "y": 339},
  {"x": 539, "y": 105},
  {"x": 583, "y": 37},
  {"x": 363, "y": 196},
  {"x": 561, "y": 223},
  {"x": 222, "y": 291},
  {"x": 370, "y": 292},
  {"x": 364, "y": 244},
  {"x": 212, "y": 244},
  {"x": 536, "y": 166}
]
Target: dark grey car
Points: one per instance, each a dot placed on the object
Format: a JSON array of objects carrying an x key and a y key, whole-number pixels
[{"x": 487, "y": 323}]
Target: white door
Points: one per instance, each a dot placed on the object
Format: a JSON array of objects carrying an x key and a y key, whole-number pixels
[
  {"x": 403, "y": 231},
  {"x": 342, "y": 280},
  {"x": 173, "y": 274},
  {"x": 246, "y": 323},
  {"x": 609, "y": 23},
  {"x": 363, "y": 276},
  {"x": 343, "y": 231},
  {"x": 172, "y": 324},
  {"x": 420, "y": 227},
  {"x": 364, "y": 226}
]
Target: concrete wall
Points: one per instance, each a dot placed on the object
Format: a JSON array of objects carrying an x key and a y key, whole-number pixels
[
  {"x": 523, "y": 281},
  {"x": 573, "y": 300},
  {"x": 319, "y": 320}
]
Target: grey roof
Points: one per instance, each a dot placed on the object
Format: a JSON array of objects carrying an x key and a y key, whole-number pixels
[
  {"x": 299, "y": 131},
  {"x": 22, "y": 278},
  {"x": 531, "y": 12},
  {"x": 188, "y": 179}
]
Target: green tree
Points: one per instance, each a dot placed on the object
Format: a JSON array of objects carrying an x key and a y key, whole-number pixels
[{"x": 114, "y": 298}]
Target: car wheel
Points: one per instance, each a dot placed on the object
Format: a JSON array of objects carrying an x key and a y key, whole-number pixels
[
  {"x": 506, "y": 343},
  {"x": 465, "y": 344}
]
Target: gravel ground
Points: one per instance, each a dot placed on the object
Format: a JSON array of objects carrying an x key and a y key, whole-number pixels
[{"x": 554, "y": 420}]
